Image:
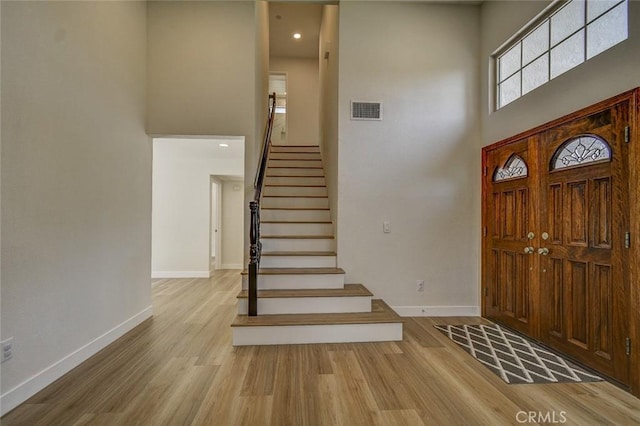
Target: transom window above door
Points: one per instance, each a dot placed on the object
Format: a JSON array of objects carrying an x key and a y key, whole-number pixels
[{"x": 567, "y": 34}]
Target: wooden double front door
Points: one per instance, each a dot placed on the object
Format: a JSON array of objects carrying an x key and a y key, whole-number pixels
[{"x": 555, "y": 217}]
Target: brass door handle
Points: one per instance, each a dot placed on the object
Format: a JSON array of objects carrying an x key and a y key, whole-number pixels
[
  {"x": 529, "y": 250},
  {"x": 543, "y": 251}
]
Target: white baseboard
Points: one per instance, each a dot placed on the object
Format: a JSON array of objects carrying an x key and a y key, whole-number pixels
[
  {"x": 437, "y": 311},
  {"x": 180, "y": 274},
  {"x": 16, "y": 396},
  {"x": 231, "y": 266}
]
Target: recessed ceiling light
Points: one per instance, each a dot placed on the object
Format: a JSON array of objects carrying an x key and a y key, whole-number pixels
[
  {"x": 224, "y": 145},
  {"x": 297, "y": 36}
]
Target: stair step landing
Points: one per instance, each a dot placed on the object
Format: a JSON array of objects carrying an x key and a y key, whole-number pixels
[{"x": 381, "y": 324}]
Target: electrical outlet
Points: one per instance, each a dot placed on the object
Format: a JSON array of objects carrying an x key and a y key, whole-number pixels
[
  {"x": 7, "y": 349},
  {"x": 420, "y": 286},
  {"x": 386, "y": 227}
]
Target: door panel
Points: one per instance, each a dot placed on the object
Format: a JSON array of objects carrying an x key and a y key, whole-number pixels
[
  {"x": 578, "y": 215},
  {"x": 581, "y": 279},
  {"x": 508, "y": 279},
  {"x": 577, "y": 301},
  {"x": 602, "y": 214},
  {"x": 555, "y": 316}
]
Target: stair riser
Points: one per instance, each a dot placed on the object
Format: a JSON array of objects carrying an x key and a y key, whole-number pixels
[
  {"x": 294, "y": 156},
  {"x": 296, "y": 281},
  {"x": 304, "y": 334},
  {"x": 294, "y": 172},
  {"x": 296, "y": 228},
  {"x": 284, "y": 148},
  {"x": 298, "y": 262},
  {"x": 291, "y": 244},
  {"x": 295, "y": 181},
  {"x": 316, "y": 164},
  {"x": 308, "y": 305},
  {"x": 295, "y": 215},
  {"x": 294, "y": 202},
  {"x": 300, "y": 191}
]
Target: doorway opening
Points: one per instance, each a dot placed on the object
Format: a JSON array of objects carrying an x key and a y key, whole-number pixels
[
  {"x": 196, "y": 190},
  {"x": 214, "y": 225},
  {"x": 278, "y": 84}
]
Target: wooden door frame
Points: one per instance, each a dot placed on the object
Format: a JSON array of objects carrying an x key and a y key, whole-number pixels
[
  {"x": 633, "y": 97},
  {"x": 634, "y": 254}
]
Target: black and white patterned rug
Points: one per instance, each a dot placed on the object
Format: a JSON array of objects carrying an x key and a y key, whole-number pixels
[{"x": 514, "y": 358}]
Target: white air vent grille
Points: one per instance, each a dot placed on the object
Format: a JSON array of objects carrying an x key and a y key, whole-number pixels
[{"x": 366, "y": 110}]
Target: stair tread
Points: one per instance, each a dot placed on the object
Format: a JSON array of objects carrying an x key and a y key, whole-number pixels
[
  {"x": 301, "y": 221},
  {"x": 349, "y": 290},
  {"x": 295, "y": 208},
  {"x": 294, "y": 221},
  {"x": 295, "y": 146},
  {"x": 296, "y": 167},
  {"x": 303, "y": 153},
  {"x": 288, "y": 176},
  {"x": 296, "y": 152},
  {"x": 295, "y": 196},
  {"x": 282, "y": 185},
  {"x": 289, "y": 159},
  {"x": 292, "y": 146},
  {"x": 297, "y": 271},
  {"x": 299, "y": 253},
  {"x": 300, "y": 237},
  {"x": 296, "y": 175},
  {"x": 380, "y": 313}
]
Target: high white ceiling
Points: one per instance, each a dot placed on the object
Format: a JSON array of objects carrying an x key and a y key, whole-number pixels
[
  {"x": 304, "y": 17},
  {"x": 286, "y": 18}
]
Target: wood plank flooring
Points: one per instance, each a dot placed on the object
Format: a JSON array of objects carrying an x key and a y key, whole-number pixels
[{"x": 179, "y": 368}]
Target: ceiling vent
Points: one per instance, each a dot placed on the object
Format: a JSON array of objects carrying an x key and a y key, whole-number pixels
[{"x": 366, "y": 110}]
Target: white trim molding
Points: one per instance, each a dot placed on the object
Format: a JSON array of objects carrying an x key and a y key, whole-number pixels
[
  {"x": 25, "y": 390},
  {"x": 437, "y": 311},
  {"x": 180, "y": 274},
  {"x": 326, "y": 333},
  {"x": 231, "y": 266}
]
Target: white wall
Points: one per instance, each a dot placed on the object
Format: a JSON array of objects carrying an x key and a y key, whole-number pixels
[
  {"x": 182, "y": 169},
  {"x": 302, "y": 98},
  {"x": 207, "y": 73},
  {"x": 328, "y": 82},
  {"x": 232, "y": 225},
  {"x": 261, "y": 89},
  {"x": 76, "y": 185},
  {"x": 201, "y": 68},
  {"x": 418, "y": 167},
  {"x": 606, "y": 75}
]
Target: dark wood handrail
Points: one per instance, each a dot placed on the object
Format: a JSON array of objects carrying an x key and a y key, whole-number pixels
[
  {"x": 255, "y": 248},
  {"x": 266, "y": 144}
]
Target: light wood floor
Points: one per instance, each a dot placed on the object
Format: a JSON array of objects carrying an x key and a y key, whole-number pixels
[{"x": 179, "y": 368}]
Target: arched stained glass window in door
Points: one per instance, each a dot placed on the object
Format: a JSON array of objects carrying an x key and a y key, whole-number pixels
[
  {"x": 580, "y": 150},
  {"x": 514, "y": 168}
]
